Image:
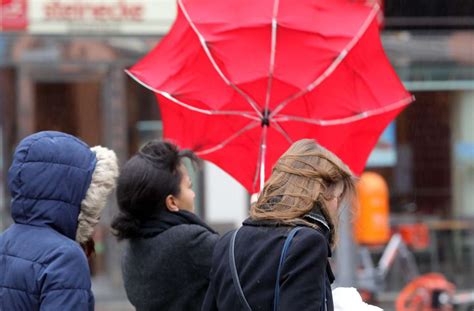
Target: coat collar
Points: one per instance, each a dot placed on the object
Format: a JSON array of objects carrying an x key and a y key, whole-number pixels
[
  {"x": 315, "y": 216},
  {"x": 276, "y": 224}
]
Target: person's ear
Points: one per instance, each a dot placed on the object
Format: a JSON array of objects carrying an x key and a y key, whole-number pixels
[{"x": 171, "y": 203}]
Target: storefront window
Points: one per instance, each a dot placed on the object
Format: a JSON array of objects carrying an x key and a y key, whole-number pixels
[
  {"x": 441, "y": 14},
  {"x": 427, "y": 160}
]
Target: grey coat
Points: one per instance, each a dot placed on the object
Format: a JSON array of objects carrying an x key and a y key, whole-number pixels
[{"x": 171, "y": 270}]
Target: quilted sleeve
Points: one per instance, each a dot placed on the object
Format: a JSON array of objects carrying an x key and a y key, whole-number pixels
[{"x": 65, "y": 281}]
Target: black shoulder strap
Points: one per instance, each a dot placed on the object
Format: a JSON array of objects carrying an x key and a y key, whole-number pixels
[
  {"x": 276, "y": 299},
  {"x": 235, "y": 275},
  {"x": 324, "y": 300}
]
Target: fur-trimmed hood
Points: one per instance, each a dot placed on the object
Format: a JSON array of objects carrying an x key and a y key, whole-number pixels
[
  {"x": 104, "y": 180},
  {"x": 51, "y": 177}
]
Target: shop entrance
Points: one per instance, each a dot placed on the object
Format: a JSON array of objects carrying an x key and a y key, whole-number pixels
[
  {"x": 72, "y": 107},
  {"x": 69, "y": 100}
]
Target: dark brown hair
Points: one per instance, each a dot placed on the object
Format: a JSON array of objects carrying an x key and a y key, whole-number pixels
[{"x": 144, "y": 183}]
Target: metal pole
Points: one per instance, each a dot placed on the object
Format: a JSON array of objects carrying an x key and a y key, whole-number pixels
[
  {"x": 114, "y": 117},
  {"x": 345, "y": 251}
]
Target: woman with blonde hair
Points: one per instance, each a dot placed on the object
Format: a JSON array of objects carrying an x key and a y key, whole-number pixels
[{"x": 278, "y": 259}]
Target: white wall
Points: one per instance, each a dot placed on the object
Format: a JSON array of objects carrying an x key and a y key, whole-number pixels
[
  {"x": 463, "y": 162},
  {"x": 226, "y": 201}
]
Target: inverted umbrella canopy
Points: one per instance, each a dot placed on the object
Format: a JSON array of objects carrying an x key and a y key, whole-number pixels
[{"x": 238, "y": 81}]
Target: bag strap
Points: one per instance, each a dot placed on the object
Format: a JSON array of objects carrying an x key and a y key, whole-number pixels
[
  {"x": 235, "y": 276},
  {"x": 276, "y": 297},
  {"x": 324, "y": 300}
]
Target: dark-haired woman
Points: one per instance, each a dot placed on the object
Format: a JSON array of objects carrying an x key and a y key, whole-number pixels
[{"x": 167, "y": 259}]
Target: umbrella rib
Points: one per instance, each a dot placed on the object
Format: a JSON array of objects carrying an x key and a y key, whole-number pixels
[
  {"x": 282, "y": 131},
  {"x": 272, "y": 53},
  {"x": 260, "y": 169},
  {"x": 228, "y": 140},
  {"x": 360, "y": 116},
  {"x": 203, "y": 43},
  {"x": 334, "y": 64},
  {"x": 167, "y": 95}
]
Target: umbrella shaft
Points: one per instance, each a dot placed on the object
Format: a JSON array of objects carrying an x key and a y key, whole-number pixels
[
  {"x": 263, "y": 152},
  {"x": 265, "y": 118}
]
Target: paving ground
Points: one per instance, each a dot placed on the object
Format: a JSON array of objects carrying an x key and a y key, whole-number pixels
[{"x": 109, "y": 298}]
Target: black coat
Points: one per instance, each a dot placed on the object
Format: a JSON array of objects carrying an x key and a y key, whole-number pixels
[
  {"x": 258, "y": 247},
  {"x": 169, "y": 271}
]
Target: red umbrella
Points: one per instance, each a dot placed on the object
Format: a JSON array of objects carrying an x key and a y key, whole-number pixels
[{"x": 238, "y": 81}]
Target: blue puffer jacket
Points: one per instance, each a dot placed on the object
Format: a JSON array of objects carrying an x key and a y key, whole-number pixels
[{"x": 41, "y": 266}]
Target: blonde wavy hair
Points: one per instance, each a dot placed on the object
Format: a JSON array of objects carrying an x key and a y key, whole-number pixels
[{"x": 307, "y": 174}]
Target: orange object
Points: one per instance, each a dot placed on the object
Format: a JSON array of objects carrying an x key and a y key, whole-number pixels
[
  {"x": 371, "y": 223},
  {"x": 416, "y": 236},
  {"x": 423, "y": 294}
]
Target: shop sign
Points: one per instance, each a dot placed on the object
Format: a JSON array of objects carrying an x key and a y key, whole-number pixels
[
  {"x": 101, "y": 16},
  {"x": 13, "y": 15},
  {"x": 385, "y": 152},
  {"x": 88, "y": 16},
  {"x": 464, "y": 152}
]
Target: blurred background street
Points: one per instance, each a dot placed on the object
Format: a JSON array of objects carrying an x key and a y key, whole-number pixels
[{"x": 62, "y": 68}]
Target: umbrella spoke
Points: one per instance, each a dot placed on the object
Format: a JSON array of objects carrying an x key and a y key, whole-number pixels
[
  {"x": 272, "y": 53},
  {"x": 260, "y": 170},
  {"x": 334, "y": 64},
  {"x": 203, "y": 43},
  {"x": 360, "y": 116},
  {"x": 282, "y": 132},
  {"x": 229, "y": 139},
  {"x": 167, "y": 95}
]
